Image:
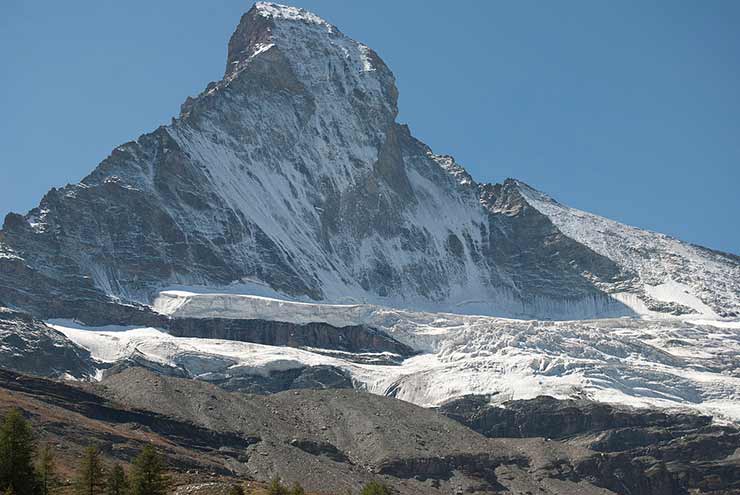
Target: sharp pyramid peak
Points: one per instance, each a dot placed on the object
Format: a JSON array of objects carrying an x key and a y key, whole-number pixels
[{"x": 313, "y": 52}]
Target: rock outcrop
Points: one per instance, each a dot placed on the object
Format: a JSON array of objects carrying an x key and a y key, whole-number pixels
[
  {"x": 354, "y": 338},
  {"x": 29, "y": 346},
  {"x": 639, "y": 451}
]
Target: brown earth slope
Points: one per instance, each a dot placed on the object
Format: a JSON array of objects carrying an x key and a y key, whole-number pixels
[{"x": 333, "y": 441}]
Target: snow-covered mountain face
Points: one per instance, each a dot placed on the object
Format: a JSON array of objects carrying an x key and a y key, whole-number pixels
[
  {"x": 292, "y": 173},
  {"x": 670, "y": 276}
]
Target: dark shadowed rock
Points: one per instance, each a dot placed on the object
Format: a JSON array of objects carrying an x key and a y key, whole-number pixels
[
  {"x": 640, "y": 451},
  {"x": 355, "y": 339},
  {"x": 29, "y": 346},
  {"x": 554, "y": 418}
]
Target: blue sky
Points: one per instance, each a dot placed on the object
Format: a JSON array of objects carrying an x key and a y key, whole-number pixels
[{"x": 627, "y": 109}]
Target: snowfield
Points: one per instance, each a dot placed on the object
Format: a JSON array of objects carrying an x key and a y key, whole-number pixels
[{"x": 665, "y": 362}]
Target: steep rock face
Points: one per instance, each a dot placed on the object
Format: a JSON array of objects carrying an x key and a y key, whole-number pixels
[
  {"x": 639, "y": 451},
  {"x": 29, "y": 346},
  {"x": 354, "y": 339},
  {"x": 268, "y": 382},
  {"x": 292, "y": 172},
  {"x": 548, "y": 417}
]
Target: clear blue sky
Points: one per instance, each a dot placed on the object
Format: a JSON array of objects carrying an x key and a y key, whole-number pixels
[{"x": 629, "y": 109}]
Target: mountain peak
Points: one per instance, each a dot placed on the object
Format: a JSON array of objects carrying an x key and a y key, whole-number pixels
[
  {"x": 277, "y": 11},
  {"x": 315, "y": 54},
  {"x": 293, "y": 172}
]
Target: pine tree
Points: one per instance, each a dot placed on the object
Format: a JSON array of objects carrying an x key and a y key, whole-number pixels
[
  {"x": 91, "y": 477},
  {"x": 148, "y": 475},
  {"x": 16, "y": 455},
  {"x": 46, "y": 470},
  {"x": 117, "y": 483}
]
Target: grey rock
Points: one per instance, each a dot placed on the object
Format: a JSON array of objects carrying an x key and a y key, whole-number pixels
[
  {"x": 637, "y": 451},
  {"x": 355, "y": 339},
  {"x": 29, "y": 346}
]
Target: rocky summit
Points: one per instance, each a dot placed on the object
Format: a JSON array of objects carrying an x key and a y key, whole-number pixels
[{"x": 284, "y": 281}]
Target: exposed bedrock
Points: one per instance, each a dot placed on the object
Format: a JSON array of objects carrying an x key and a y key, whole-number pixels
[
  {"x": 27, "y": 345},
  {"x": 266, "y": 382},
  {"x": 358, "y": 338},
  {"x": 638, "y": 451},
  {"x": 553, "y": 418}
]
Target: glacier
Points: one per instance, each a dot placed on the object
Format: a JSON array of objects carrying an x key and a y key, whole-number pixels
[{"x": 673, "y": 363}]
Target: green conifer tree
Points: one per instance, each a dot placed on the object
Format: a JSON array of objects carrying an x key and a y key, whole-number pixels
[
  {"x": 117, "y": 483},
  {"x": 46, "y": 470},
  {"x": 297, "y": 489},
  {"x": 236, "y": 490},
  {"x": 91, "y": 476},
  {"x": 17, "y": 473},
  {"x": 277, "y": 488},
  {"x": 148, "y": 475}
]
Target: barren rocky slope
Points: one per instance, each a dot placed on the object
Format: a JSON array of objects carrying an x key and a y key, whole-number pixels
[{"x": 336, "y": 440}]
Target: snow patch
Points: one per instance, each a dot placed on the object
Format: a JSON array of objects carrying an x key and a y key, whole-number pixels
[{"x": 672, "y": 291}]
